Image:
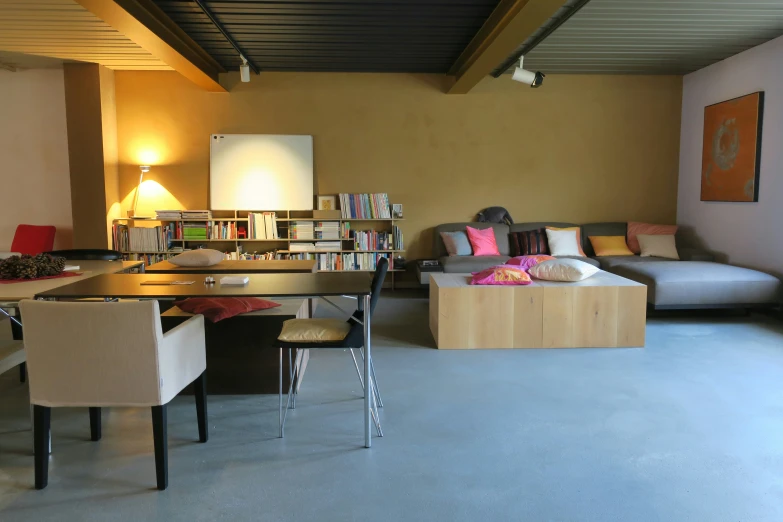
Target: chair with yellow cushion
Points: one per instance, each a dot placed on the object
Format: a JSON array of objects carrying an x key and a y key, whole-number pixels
[{"x": 317, "y": 334}]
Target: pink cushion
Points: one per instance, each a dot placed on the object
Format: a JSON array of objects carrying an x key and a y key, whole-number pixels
[
  {"x": 218, "y": 308},
  {"x": 501, "y": 275},
  {"x": 483, "y": 241},
  {"x": 526, "y": 262}
]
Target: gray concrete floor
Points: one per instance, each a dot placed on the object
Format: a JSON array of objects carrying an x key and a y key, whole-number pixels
[{"x": 688, "y": 428}]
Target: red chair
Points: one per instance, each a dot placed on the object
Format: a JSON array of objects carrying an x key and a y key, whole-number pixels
[{"x": 33, "y": 239}]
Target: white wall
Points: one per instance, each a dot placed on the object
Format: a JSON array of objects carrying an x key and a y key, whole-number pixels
[
  {"x": 746, "y": 234},
  {"x": 34, "y": 174}
]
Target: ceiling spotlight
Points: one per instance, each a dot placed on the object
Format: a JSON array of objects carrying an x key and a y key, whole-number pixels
[
  {"x": 533, "y": 79},
  {"x": 244, "y": 70}
]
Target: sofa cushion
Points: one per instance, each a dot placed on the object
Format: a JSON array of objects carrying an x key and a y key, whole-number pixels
[
  {"x": 482, "y": 241},
  {"x": 456, "y": 243},
  {"x": 700, "y": 283},
  {"x": 501, "y": 236},
  {"x": 609, "y": 246},
  {"x": 567, "y": 270},
  {"x": 529, "y": 242},
  {"x": 468, "y": 264},
  {"x": 635, "y": 228},
  {"x": 601, "y": 229}
]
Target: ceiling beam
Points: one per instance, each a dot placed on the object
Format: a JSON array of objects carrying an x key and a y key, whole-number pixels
[
  {"x": 147, "y": 25},
  {"x": 511, "y": 23}
]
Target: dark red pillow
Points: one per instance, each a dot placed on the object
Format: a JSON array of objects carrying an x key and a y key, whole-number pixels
[{"x": 218, "y": 308}]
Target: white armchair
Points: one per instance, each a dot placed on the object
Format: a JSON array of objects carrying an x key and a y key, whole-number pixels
[{"x": 109, "y": 354}]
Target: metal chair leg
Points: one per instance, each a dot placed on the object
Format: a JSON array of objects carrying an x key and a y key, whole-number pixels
[
  {"x": 375, "y": 416},
  {"x": 356, "y": 365},
  {"x": 375, "y": 380},
  {"x": 291, "y": 373},
  {"x": 280, "y": 394}
]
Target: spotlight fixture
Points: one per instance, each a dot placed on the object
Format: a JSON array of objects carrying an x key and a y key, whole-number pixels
[
  {"x": 244, "y": 70},
  {"x": 533, "y": 79}
]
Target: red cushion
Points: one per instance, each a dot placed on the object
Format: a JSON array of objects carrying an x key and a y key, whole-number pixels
[
  {"x": 218, "y": 308},
  {"x": 33, "y": 239}
]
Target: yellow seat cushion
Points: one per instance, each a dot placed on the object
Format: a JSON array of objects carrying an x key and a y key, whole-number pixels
[
  {"x": 610, "y": 246},
  {"x": 314, "y": 330}
]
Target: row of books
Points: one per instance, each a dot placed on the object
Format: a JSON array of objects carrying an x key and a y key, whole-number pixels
[
  {"x": 373, "y": 240},
  {"x": 398, "y": 243},
  {"x": 327, "y": 230},
  {"x": 301, "y": 230},
  {"x": 337, "y": 261},
  {"x": 262, "y": 225},
  {"x": 318, "y": 246},
  {"x": 365, "y": 206},
  {"x": 223, "y": 230},
  {"x": 137, "y": 239}
]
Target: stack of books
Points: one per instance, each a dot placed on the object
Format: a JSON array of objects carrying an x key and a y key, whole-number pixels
[
  {"x": 262, "y": 226},
  {"x": 301, "y": 230},
  {"x": 194, "y": 231},
  {"x": 365, "y": 206},
  {"x": 302, "y": 247},
  {"x": 197, "y": 214},
  {"x": 168, "y": 215},
  {"x": 327, "y": 246},
  {"x": 327, "y": 230}
]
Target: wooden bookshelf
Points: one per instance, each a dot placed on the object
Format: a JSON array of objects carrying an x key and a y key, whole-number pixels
[{"x": 278, "y": 246}]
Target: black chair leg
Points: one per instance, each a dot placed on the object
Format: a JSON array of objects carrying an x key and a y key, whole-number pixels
[
  {"x": 23, "y": 372},
  {"x": 200, "y": 386},
  {"x": 42, "y": 416},
  {"x": 95, "y": 424},
  {"x": 159, "y": 434}
]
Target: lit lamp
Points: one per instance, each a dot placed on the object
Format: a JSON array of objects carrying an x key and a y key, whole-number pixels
[{"x": 144, "y": 168}]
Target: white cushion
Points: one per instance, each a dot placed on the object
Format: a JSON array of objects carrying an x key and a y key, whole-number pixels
[
  {"x": 200, "y": 257},
  {"x": 563, "y": 243},
  {"x": 563, "y": 270},
  {"x": 658, "y": 246}
]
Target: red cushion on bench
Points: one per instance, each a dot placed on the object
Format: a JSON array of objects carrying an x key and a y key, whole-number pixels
[{"x": 218, "y": 308}]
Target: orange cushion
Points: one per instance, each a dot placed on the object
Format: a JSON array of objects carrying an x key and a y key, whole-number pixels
[
  {"x": 635, "y": 228},
  {"x": 610, "y": 246},
  {"x": 578, "y": 237}
]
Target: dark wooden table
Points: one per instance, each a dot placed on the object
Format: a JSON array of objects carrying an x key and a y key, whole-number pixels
[
  {"x": 129, "y": 286},
  {"x": 272, "y": 266}
]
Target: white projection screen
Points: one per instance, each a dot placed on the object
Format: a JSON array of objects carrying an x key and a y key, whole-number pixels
[{"x": 260, "y": 172}]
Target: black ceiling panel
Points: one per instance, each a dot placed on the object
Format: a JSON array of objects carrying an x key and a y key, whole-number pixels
[{"x": 326, "y": 35}]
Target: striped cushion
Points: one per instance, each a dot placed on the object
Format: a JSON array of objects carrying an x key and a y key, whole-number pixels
[{"x": 529, "y": 243}]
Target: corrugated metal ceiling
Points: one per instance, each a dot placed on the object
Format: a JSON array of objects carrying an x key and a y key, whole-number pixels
[
  {"x": 655, "y": 36},
  {"x": 345, "y": 35}
]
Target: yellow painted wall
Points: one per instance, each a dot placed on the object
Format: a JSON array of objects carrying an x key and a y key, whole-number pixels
[{"x": 581, "y": 148}]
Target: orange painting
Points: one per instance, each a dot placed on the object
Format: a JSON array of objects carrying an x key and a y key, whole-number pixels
[{"x": 732, "y": 149}]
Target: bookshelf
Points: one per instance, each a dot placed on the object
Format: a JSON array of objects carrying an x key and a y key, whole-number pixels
[{"x": 236, "y": 222}]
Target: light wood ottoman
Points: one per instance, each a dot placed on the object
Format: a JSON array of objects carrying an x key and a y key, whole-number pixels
[{"x": 602, "y": 311}]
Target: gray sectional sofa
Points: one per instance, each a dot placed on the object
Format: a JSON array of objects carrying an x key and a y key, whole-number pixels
[{"x": 696, "y": 281}]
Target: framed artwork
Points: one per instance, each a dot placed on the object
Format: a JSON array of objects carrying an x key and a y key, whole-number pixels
[
  {"x": 327, "y": 203},
  {"x": 731, "y": 150}
]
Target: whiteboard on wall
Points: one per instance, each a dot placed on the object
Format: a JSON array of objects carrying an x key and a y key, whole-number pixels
[{"x": 260, "y": 172}]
